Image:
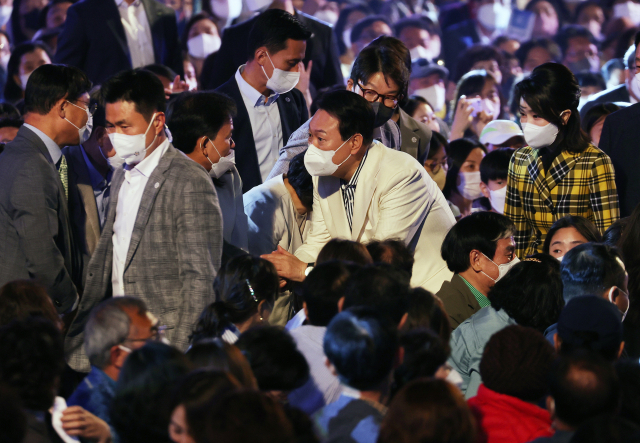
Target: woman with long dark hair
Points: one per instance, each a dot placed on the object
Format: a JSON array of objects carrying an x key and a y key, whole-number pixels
[{"x": 559, "y": 172}]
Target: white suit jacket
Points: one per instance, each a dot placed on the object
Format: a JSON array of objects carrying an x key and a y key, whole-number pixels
[
  {"x": 395, "y": 199},
  {"x": 272, "y": 218}
]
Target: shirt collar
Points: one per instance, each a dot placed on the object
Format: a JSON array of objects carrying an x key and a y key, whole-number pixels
[
  {"x": 251, "y": 93},
  {"x": 479, "y": 296},
  {"x": 353, "y": 182},
  {"x": 96, "y": 178},
  {"x": 52, "y": 147},
  {"x": 149, "y": 164}
]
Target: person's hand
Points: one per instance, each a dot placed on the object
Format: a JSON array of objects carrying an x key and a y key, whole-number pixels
[
  {"x": 462, "y": 118},
  {"x": 76, "y": 421},
  {"x": 303, "y": 83},
  {"x": 176, "y": 87},
  {"x": 481, "y": 120},
  {"x": 288, "y": 265}
]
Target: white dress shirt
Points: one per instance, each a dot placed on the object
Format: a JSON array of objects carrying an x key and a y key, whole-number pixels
[
  {"x": 129, "y": 198},
  {"x": 265, "y": 123},
  {"x": 136, "y": 28}
]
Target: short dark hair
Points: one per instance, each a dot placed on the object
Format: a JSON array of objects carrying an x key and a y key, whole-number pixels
[
  {"x": 545, "y": 43},
  {"x": 300, "y": 180},
  {"x": 531, "y": 292},
  {"x": 587, "y": 78},
  {"x": 353, "y": 112},
  {"x": 361, "y": 344},
  {"x": 590, "y": 269},
  {"x": 495, "y": 165},
  {"x": 427, "y": 311},
  {"x": 380, "y": 287},
  {"x": 274, "y": 358},
  {"x": 412, "y": 22},
  {"x": 272, "y": 29},
  {"x": 481, "y": 231},
  {"x": 343, "y": 21},
  {"x": 344, "y": 250},
  {"x": 213, "y": 354},
  {"x": 376, "y": 59},
  {"x": 395, "y": 45},
  {"x": 572, "y": 31},
  {"x": 613, "y": 234},
  {"x": 161, "y": 71},
  {"x": 361, "y": 25},
  {"x": 7, "y": 110},
  {"x": 474, "y": 54},
  {"x": 140, "y": 87},
  {"x": 392, "y": 252},
  {"x": 457, "y": 153},
  {"x": 21, "y": 299},
  {"x": 584, "y": 227},
  {"x": 322, "y": 289},
  {"x": 49, "y": 84},
  {"x": 595, "y": 113},
  {"x": 437, "y": 141},
  {"x": 583, "y": 385},
  {"x": 195, "y": 114}
]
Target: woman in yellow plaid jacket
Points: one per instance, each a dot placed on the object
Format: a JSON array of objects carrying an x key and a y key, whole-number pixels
[{"x": 560, "y": 172}]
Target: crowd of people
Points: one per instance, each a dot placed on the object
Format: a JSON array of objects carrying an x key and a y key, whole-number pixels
[{"x": 302, "y": 221}]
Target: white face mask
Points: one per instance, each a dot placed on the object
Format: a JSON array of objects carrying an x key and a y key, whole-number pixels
[
  {"x": 434, "y": 94},
  {"x": 490, "y": 107},
  {"x": 469, "y": 186},
  {"x": 281, "y": 81},
  {"x": 114, "y": 162},
  {"x": 539, "y": 136},
  {"x": 497, "y": 199},
  {"x": 346, "y": 38},
  {"x": 223, "y": 165},
  {"x": 630, "y": 10},
  {"x": 420, "y": 52},
  {"x": 494, "y": 16},
  {"x": 202, "y": 45},
  {"x": 132, "y": 147},
  {"x": 5, "y": 14},
  {"x": 327, "y": 15},
  {"x": 503, "y": 268},
  {"x": 320, "y": 163},
  {"x": 85, "y": 132},
  {"x": 24, "y": 78},
  {"x": 226, "y": 9}
]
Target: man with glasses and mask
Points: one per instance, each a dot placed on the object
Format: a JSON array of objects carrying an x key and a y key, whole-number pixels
[
  {"x": 35, "y": 234},
  {"x": 364, "y": 191}
]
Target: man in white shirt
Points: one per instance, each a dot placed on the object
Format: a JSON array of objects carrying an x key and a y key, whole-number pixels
[
  {"x": 364, "y": 191},
  {"x": 162, "y": 241}
]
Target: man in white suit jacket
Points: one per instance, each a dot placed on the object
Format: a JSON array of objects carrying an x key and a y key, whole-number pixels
[{"x": 364, "y": 191}]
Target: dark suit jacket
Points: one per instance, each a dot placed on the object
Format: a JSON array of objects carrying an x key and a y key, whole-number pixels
[
  {"x": 415, "y": 137},
  {"x": 456, "y": 39},
  {"x": 619, "y": 140},
  {"x": 93, "y": 38},
  {"x": 458, "y": 300},
  {"x": 293, "y": 113},
  {"x": 617, "y": 94},
  {"x": 322, "y": 49},
  {"x": 35, "y": 234},
  {"x": 173, "y": 256},
  {"x": 83, "y": 212}
]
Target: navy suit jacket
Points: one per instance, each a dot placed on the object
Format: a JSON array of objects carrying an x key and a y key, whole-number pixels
[
  {"x": 93, "y": 38},
  {"x": 293, "y": 113},
  {"x": 456, "y": 39},
  {"x": 617, "y": 94},
  {"x": 322, "y": 49}
]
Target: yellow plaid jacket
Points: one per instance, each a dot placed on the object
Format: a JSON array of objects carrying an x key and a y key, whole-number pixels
[{"x": 575, "y": 184}]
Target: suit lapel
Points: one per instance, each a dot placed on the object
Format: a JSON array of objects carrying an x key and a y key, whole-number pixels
[
  {"x": 407, "y": 131},
  {"x": 536, "y": 170},
  {"x": 87, "y": 199},
  {"x": 367, "y": 183},
  {"x": 329, "y": 190},
  {"x": 285, "y": 108},
  {"x": 561, "y": 166},
  {"x": 114, "y": 22}
]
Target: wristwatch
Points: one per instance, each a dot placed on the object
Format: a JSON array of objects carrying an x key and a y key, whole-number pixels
[{"x": 309, "y": 269}]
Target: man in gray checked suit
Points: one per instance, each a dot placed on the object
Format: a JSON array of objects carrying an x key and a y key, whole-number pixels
[{"x": 162, "y": 240}]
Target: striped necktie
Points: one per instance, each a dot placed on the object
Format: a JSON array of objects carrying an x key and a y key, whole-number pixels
[{"x": 62, "y": 170}]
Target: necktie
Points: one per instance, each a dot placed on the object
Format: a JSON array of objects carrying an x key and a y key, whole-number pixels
[{"x": 62, "y": 170}]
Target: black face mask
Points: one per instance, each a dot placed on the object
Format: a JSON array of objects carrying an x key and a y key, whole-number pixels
[{"x": 383, "y": 114}]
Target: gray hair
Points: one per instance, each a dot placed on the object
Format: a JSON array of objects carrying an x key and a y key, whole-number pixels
[{"x": 108, "y": 326}]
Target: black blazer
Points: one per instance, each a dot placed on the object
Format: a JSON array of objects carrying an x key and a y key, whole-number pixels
[
  {"x": 93, "y": 38},
  {"x": 617, "y": 94},
  {"x": 619, "y": 140},
  {"x": 322, "y": 49},
  {"x": 455, "y": 40},
  {"x": 293, "y": 113}
]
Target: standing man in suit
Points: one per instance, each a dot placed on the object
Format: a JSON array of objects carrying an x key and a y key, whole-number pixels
[
  {"x": 35, "y": 234},
  {"x": 269, "y": 108},
  {"x": 322, "y": 51},
  {"x": 104, "y": 37},
  {"x": 364, "y": 191},
  {"x": 162, "y": 240}
]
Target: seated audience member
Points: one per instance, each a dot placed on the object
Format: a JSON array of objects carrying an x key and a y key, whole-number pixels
[
  {"x": 279, "y": 210},
  {"x": 420, "y": 110},
  {"x": 567, "y": 233},
  {"x": 494, "y": 169},
  {"x": 25, "y": 58},
  {"x": 536, "y": 52},
  {"x": 201, "y": 37},
  {"x": 366, "y": 30},
  {"x": 246, "y": 288},
  {"x": 529, "y": 295},
  {"x": 9, "y": 128},
  {"x": 593, "y": 120},
  {"x": 515, "y": 366},
  {"x": 22, "y": 299},
  {"x": 613, "y": 234},
  {"x": 479, "y": 250},
  {"x": 245, "y": 416},
  {"x": 607, "y": 428},
  {"x": 436, "y": 162},
  {"x": 346, "y": 251},
  {"x": 416, "y": 33},
  {"x": 141, "y": 408},
  {"x": 349, "y": 15},
  {"x": 115, "y": 328},
  {"x": 502, "y": 134},
  {"x": 213, "y": 354},
  {"x": 277, "y": 364},
  {"x": 428, "y": 411},
  {"x": 579, "y": 50},
  {"x": 628, "y": 372},
  {"x": 201, "y": 124},
  {"x": 392, "y": 252},
  {"x": 479, "y": 57},
  {"x": 582, "y": 386},
  {"x": 427, "y": 312},
  {"x": 590, "y": 323},
  {"x": 428, "y": 81},
  {"x": 193, "y": 399},
  {"x": 462, "y": 184},
  {"x": 477, "y": 101},
  {"x": 321, "y": 291},
  {"x": 590, "y": 84},
  {"x": 361, "y": 346},
  {"x": 265, "y": 121},
  {"x": 590, "y": 15}
]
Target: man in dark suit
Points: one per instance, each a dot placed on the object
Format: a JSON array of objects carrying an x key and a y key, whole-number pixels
[
  {"x": 322, "y": 50},
  {"x": 269, "y": 106},
  {"x": 104, "y": 37},
  {"x": 162, "y": 240},
  {"x": 35, "y": 237}
]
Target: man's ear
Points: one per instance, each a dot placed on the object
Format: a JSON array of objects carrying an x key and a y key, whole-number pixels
[
  {"x": 474, "y": 260},
  {"x": 350, "y": 86},
  {"x": 565, "y": 116},
  {"x": 260, "y": 56},
  {"x": 61, "y": 107},
  {"x": 340, "y": 304},
  {"x": 357, "y": 141},
  {"x": 485, "y": 189}
]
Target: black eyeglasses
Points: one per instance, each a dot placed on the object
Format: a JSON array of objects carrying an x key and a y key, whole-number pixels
[{"x": 390, "y": 101}]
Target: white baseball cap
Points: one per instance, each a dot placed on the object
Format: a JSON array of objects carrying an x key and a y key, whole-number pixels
[{"x": 499, "y": 131}]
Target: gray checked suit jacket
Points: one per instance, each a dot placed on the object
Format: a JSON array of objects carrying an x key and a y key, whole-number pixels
[{"x": 173, "y": 257}]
